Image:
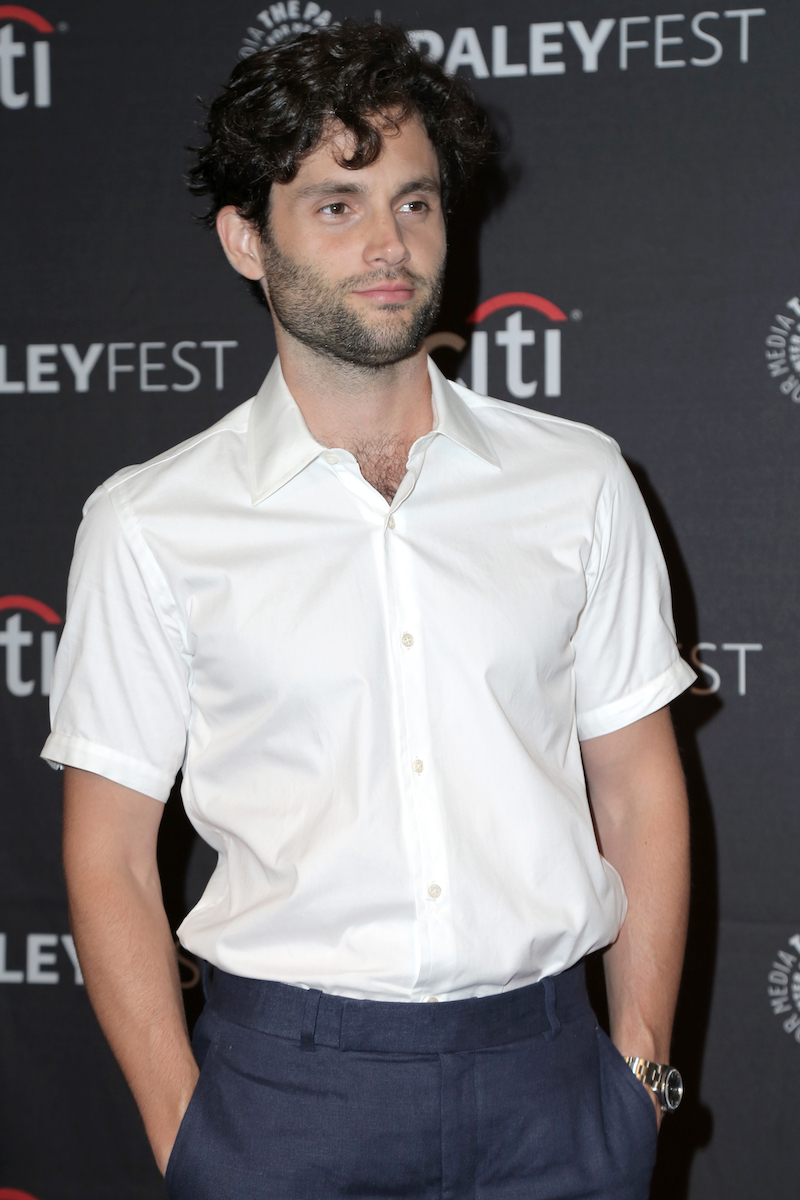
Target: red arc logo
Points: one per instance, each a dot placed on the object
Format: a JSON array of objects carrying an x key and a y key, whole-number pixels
[
  {"x": 16, "y": 12},
  {"x": 516, "y": 300},
  {"x": 47, "y": 614}
]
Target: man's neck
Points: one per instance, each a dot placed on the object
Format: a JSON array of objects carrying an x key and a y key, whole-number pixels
[{"x": 375, "y": 413}]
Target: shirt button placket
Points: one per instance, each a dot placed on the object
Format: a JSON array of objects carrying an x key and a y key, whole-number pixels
[
  {"x": 417, "y": 766},
  {"x": 409, "y": 655}
]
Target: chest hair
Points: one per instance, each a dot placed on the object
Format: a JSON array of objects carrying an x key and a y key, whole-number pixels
[{"x": 382, "y": 463}]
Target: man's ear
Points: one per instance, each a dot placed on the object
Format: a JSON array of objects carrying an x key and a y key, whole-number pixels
[{"x": 241, "y": 243}]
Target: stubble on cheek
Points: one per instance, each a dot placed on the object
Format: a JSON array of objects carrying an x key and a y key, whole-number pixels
[{"x": 316, "y": 311}]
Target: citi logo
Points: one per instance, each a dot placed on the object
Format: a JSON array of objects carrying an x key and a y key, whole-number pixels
[
  {"x": 21, "y": 645},
  {"x": 33, "y": 77},
  {"x": 516, "y": 346}
]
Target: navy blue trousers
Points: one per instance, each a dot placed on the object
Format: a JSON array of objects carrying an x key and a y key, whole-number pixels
[{"x": 306, "y": 1096}]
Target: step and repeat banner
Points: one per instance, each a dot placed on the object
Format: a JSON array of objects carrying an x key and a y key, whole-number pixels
[{"x": 631, "y": 261}]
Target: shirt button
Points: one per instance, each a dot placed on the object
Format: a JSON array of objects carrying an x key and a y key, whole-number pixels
[
  {"x": 407, "y": 640},
  {"x": 418, "y": 765},
  {"x": 390, "y": 522},
  {"x": 332, "y": 459},
  {"x": 434, "y": 891},
  {"x": 433, "y": 1000}
]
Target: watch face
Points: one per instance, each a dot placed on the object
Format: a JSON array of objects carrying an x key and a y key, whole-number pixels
[{"x": 673, "y": 1089}]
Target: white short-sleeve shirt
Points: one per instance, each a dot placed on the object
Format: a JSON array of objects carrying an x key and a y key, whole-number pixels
[{"x": 377, "y": 708}]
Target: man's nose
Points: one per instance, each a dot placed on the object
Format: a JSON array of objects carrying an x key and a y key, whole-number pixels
[{"x": 384, "y": 242}]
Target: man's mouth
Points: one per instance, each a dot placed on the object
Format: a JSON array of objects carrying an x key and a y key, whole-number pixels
[{"x": 389, "y": 292}]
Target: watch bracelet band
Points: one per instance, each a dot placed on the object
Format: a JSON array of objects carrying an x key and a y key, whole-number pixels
[{"x": 654, "y": 1076}]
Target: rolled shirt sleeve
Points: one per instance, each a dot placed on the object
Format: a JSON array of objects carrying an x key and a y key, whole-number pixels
[
  {"x": 627, "y": 663},
  {"x": 119, "y": 701}
]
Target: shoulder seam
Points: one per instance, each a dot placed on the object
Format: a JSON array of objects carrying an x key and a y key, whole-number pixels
[
  {"x": 551, "y": 419},
  {"x": 531, "y": 414},
  {"x": 132, "y": 534},
  {"x": 610, "y": 486}
]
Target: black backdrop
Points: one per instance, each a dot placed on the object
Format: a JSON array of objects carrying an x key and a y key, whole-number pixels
[{"x": 644, "y": 229}]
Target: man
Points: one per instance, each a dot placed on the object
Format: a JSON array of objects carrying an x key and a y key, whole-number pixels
[{"x": 384, "y": 626}]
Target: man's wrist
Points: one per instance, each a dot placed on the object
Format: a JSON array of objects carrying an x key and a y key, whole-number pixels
[{"x": 662, "y": 1080}]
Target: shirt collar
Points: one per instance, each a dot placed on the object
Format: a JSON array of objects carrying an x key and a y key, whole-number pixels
[
  {"x": 280, "y": 445},
  {"x": 454, "y": 418}
]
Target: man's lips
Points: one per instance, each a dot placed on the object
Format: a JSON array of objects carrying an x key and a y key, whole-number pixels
[{"x": 389, "y": 293}]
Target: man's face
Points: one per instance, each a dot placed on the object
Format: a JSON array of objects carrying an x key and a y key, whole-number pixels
[{"x": 354, "y": 260}]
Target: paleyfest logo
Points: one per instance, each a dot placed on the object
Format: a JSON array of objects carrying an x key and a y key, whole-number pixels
[
  {"x": 783, "y": 350},
  {"x": 515, "y": 349},
  {"x": 24, "y": 76},
  {"x": 280, "y": 20},
  {"x": 783, "y": 987},
  {"x": 666, "y": 41}
]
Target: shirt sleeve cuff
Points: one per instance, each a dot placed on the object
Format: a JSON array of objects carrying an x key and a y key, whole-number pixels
[
  {"x": 61, "y": 750},
  {"x": 645, "y": 700}
]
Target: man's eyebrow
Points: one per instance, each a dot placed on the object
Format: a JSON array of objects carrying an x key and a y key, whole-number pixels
[
  {"x": 426, "y": 183},
  {"x": 329, "y": 187},
  {"x": 340, "y": 187}
]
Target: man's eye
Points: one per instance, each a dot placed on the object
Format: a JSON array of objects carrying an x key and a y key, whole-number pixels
[
  {"x": 336, "y": 208},
  {"x": 414, "y": 206}
]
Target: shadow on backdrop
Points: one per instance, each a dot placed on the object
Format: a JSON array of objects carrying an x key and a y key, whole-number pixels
[
  {"x": 691, "y": 1128},
  {"x": 487, "y": 193}
]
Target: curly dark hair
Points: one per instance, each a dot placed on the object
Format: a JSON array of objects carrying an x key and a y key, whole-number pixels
[{"x": 274, "y": 111}]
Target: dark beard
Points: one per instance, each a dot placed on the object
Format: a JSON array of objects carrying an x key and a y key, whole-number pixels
[{"x": 315, "y": 311}]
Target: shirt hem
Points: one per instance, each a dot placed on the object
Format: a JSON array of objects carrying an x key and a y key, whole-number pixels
[
  {"x": 641, "y": 703},
  {"x": 62, "y": 750}
]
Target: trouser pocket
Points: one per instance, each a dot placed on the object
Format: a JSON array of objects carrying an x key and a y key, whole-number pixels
[
  {"x": 625, "y": 1099},
  {"x": 190, "y": 1132}
]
